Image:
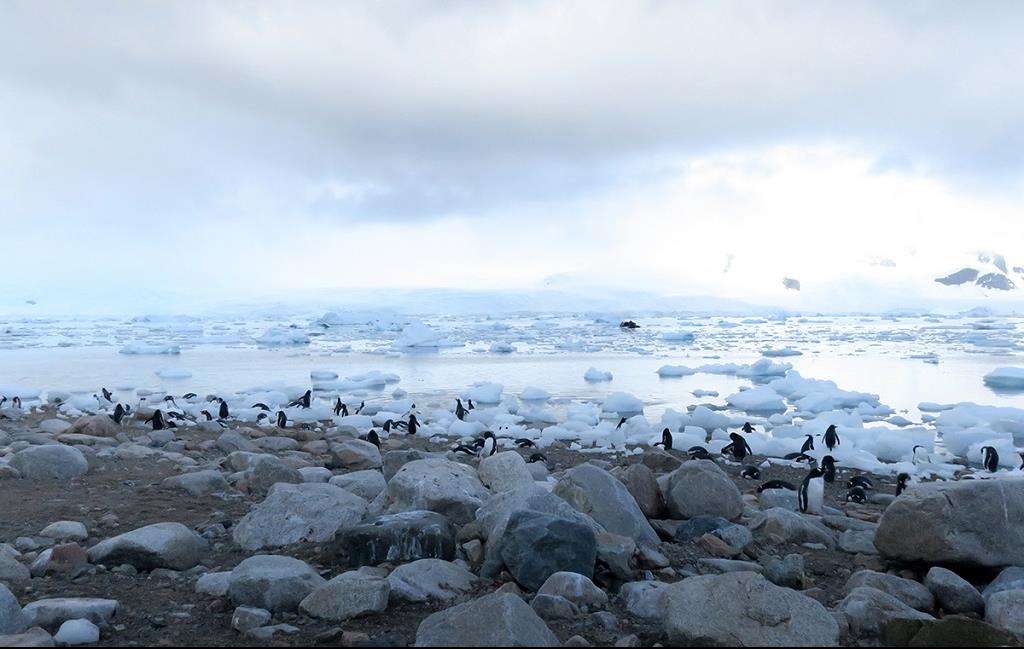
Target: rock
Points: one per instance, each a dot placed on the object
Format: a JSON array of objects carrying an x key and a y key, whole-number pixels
[
  {"x": 267, "y": 471},
  {"x": 536, "y": 546},
  {"x": 510, "y": 622},
  {"x": 50, "y": 462},
  {"x": 1011, "y": 578},
  {"x": 92, "y": 425},
  {"x": 64, "y": 559},
  {"x": 348, "y": 595},
  {"x": 277, "y": 444},
  {"x": 601, "y": 496},
  {"x": 784, "y": 498},
  {"x": 437, "y": 485},
  {"x": 869, "y": 610},
  {"x": 51, "y": 613},
  {"x": 198, "y": 483},
  {"x": 1005, "y": 610},
  {"x": 161, "y": 545},
  {"x": 660, "y": 461},
  {"x": 617, "y": 552},
  {"x": 231, "y": 441},
  {"x": 293, "y": 513},
  {"x": 778, "y": 525},
  {"x": 911, "y": 593},
  {"x": 643, "y": 598},
  {"x": 959, "y": 631},
  {"x": 365, "y": 484},
  {"x": 698, "y": 526},
  {"x": 699, "y": 487},
  {"x": 395, "y": 460},
  {"x": 65, "y": 531},
  {"x": 971, "y": 522},
  {"x": 320, "y": 474},
  {"x": 953, "y": 593},
  {"x": 787, "y": 572},
  {"x": 77, "y": 632},
  {"x": 430, "y": 579},
  {"x": 858, "y": 542},
  {"x": 723, "y": 566},
  {"x": 247, "y": 618},
  {"x": 12, "y": 571},
  {"x": 12, "y": 620},
  {"x": 494, "y": 517},
  {"x": 643, "y": 486},
  {"x": 576, "y": 588},
  {"x": 554, "y": 607},
  {"x": 395, "y": 537},
  {"x": 273, "y": 582},
  {"x": 504, "y": 471},
  {"x": 744, "y": 609},
  {"x": 355, "y": 455},
  {"x": 34, "y": 637},
  {"x": 266, "y": 633},
  {"x": 214, "y": 583}
]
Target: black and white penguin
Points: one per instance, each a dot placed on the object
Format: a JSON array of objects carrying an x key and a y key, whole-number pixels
[
  {"x": 800, "y": 457},
  {"x": 107, "y": 395},
  {"x": 460, "y": 410},
  {"x": 751, "y": 473},
  {"x": 831, "y": 437},
  {"x": 490, "y": 446},
  {"x": 224, "y": 412},
  {"x": 16, "y": 402},
  {"x": 282, "y": 419},
  {"x": 856, "y": 494},
  {"x": 622, "y": 420},
  {"x": 698, "y": 453},
  {"x": 738, "y": 447},
  {"x": 362, "y": 404},
  {"x": 157, "y": 419},
  {"x": 413, "y": 424},
  {"x": 522, "y": 442},
  {"x": 209, "y": 417},
  {"x": 811, "y": 495},
  {"x": 666, "y": 440},
  {"x": 537, "y": 457},
  {"x": 861, "y": 481},
  {"x": 261, "y": 406},
  {"x": 260, "y": 417},
  {"x": 304, "y": 401},
  {"x": 776, "y": 484},
  {"x": 470, "y": 402},
  {"x": 337, "y": 407},
  {"x": 1021, "y": 467},
  {"x": 990, "y": 458},
  {"x": 920, "y": 455},
  {"x": 468, "y": 450},
  {"x": 747, "y": 428},
  {"x": 808, "y": 444},
  {"x": 901, "y": 482},
  {"x": 387, "y": 426},
  {"x": 828, "y": 465},
  {"x": 170, "y": 399},
  {"x": 118, "y": 414},
  {"x": 189, "y": 396},
  {"x": 372, "y": 437}
]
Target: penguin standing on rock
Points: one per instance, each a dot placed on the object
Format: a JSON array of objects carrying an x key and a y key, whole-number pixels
[
  {"x": 372, "y": 437},
  {"x": 698, "y": 453},
  {"x": 901, "y": 482},
  {"x": 990, "y": 458},
  {"x": 413, "y": 424},
  {"x": 738, "y": 447},
  {"x": 118, "y": 415},
  {"x": 282, "y": 419},
  {"x": 808, "y": 444},
  {"x": 460, "y": 410},
  {"x": 666, "y": 440},
  {"x": 490, "y": 444},
  {"x": 157, "y": 419},
  {"x": 828, "y": 465},
  {"x": 831, "y": 437},
  {"x": 224, "y": 413},
  {"x": 812, "y": 492}
]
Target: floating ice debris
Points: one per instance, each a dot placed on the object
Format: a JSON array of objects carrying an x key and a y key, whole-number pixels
[
  {"x": 418, "y": 335},
  {"x": 666, "y": 371},
  {"x": 594, "y": 375},
  {"x": 485, "y": 392},
  {"x": 534, "y": 394},
  {"x": 760, "y": 399},
  {"x": 622, "y": 403},
  {"x": 679, "y": 337},
  {"x": 281, "y": 337},
  {"x": 704, "y": 393},
  {"x": 1006, "y": 378},
  {"x": 778, "y": 353},
  {"x": 147, "y": 349},
  {"x": 173, "y": 373},
  {"x": 502, "y": 348},
  {"x": 322, "y": 375}
]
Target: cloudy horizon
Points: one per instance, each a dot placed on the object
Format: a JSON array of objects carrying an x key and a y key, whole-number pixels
[{"x": 244, "y": 151}]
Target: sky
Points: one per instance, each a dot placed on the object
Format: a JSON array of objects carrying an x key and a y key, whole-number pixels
[{"x": 175, "y": 152}]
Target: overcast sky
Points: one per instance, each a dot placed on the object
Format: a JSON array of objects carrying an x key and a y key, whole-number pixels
[{"x": 245, "y": 149}]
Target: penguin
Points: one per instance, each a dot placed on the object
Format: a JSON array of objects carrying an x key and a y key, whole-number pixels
[
  {"x": 261, "y": 406},
  {"x": 901, "y": 483},
  {"x": 471, "y": 406},
  {"x": 828, "y": 465},
  {"x": 751, "y": 473},
  {"x": 666, "y": 440},
  {"x": 107, "y": 395},
  {"x": 189, "y": 396},
  {"x": 303, "y": 401},
  {"x": 621, "y": 421},
  {"x": 176, "y": 415},
  {"x": 490, "y": 444},
  {"x": 16, "y": 402},
  {"x": 462, "y": 448},
  {"x": 3, "y": 400},
  {"x": 224, "y": 413},
  {"x": 337, "y": 407},
  {"x": 831, "y": 437},
  {"x": 118, "y": 414},
  {"x": 856, "y": 495},
  {"x": 990, "y": 458},
  {"x": 808, "y": 444},
  {"x": 260, "y": 417},
  {"x": 537, "y": 457},
  {"x": 698, "y": 453},
  {"x": 738, "y": 447},
  {"x": 157, "y": 419},
  {"x": 373, "y": 438},
  {"x": 413, "y": 424},
  {"x": 1021, "y": 467},
  {"x": 522, "y": 442},
  {"x": 282, "y": 419},
  {"x": 170, "y": 399},
  {"x": 861, "y": 481},
  {"x": 800, "y": 457},
  {"x": 387, "y": 426},
  {"x": 776, "y": 484},
  {"x": 460, "y": 411},
  {"x": 362, "y": 404},
  {"x": 747, "y": 428},
  {"x": 811, "y": 495},
  {"x": 209, "y": 417},
  {"x": 920, "y": 456}
]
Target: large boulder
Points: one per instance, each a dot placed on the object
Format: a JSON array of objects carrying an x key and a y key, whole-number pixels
[
  {"x": 161, "y": 545},
  {"x": 869, "y": 611},
  {"x": 597, "y": 493},
  {"x": 1005, "y": 610},
  {"x": 395, "y": 460},
  {"x": 51, "y": 613},
  {"x": 536, "y": 546},
  {"x": 496, "y": 620},
  {"x": 12, "y": 620},
  {"x": 744, "y": 609},
  {"x": 355, "y": 455},
  {"x": 395, "y": 537},
  {"x": 348, "y": 595},
  {"x": 366, "y": 484},
  {"x": 576, "y": 588},
  {"x": 912, "y": 593},
  {"x": 198, "y": 483},
  {"x": 643, "y": 486},
  {"x": 50, "y": 462},
  {"x": 275, "y": 583},
  {"x": 437, "y": 485},
  {"x": 430, "y": 579},
  {"x": 699, "y": 487},
  {"x": 94, "y": 426},
  {"x": 293, "y": 513},
  {"x": 953, "y": 593},
  {"x": 973, "y": 522},
  {"x": 12, "y": 571},
  {"x": 778, "y": 525},
  {"x": 504, "y": 471},
  {"x": 265, "y": 471}
]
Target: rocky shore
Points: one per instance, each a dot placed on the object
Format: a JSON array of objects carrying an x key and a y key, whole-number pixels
[{"x": 238, "y": 534}]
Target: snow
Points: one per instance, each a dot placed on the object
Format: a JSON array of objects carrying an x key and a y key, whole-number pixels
[{"x": 622, "y": 403}]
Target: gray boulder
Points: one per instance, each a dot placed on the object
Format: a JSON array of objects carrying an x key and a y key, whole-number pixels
[
  {"x": 536, "y": 546},
  {"x": 267, "y": 471},
  {"x": 293, "y": 513},
  {"x": 868, "y": 611},
  {"x": 395, "y": 460},
  {"x": 504, "y": 471},
  {"x": 51, "y": 613},
  {"x": 576, "y": 588},
  {"x": 953, "y": 593},
  {"x": 510, "y": 622},
  {"x": 430, "y": 579},
  {"x": 972, "y": 522},
  {"x": 1011, "y": 578},
  {"x": 355, "y": 455},
  {"x": 778, "y": 525},
  {"x": 50, "y": 462},
  {"x": 366, "y": 484},
  {"x": 276, "y": 583},
  {"x": 700, "y": 487},
  {"x": 395, "y": 537},
  {"x": 12, "y": 620},
  {"x": 1005, "y": 610},
  {"x": 161, "y": 545},
  {"x": 601, "y": 496},
  {"x": 12, "y": 571},
  {"x": 744, "y": 609},
  {"x": 643, "y": 486},
  {"x": 908, "y": 591},
  {"x": 437, "y": 485},
  {"x": 198, "y": 483},
  {"x": 351, "y": 594},
  {"x": 643, "y": 598},
  {"x": 231, "y": 441}
]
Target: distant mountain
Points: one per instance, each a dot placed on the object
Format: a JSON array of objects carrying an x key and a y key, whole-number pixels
[{"x": 990, "y": 272}]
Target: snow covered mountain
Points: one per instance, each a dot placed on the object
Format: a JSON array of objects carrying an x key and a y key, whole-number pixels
[{"x": 990, "y": 272}]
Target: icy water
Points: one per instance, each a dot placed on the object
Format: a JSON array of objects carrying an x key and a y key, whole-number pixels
[{"x": 443, "y": 356}]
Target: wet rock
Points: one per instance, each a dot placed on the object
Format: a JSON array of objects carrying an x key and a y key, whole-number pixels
[
  {"x": 351, "y": 594},
  {"x": 701, "y": 488},
  {"x": 510, "y": 623},
  {"x": 430, "y": 579},
  {"x": 275, "y": 583},
  {"x": 161, "y": 545},
  {"x": 601, "y": 496},
  {"x": 395, "y": 537},
  {"x": 293, "y": 513},
  {"x": 50, "y": 462},
  {"x": 437, "y": 485},
  {"x": 953, "y": 593}
]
